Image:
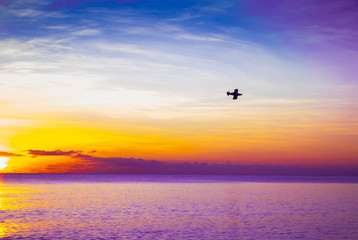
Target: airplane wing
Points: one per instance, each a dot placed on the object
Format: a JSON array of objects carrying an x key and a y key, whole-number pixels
[
  {"x": 236, "y": 91},
  {"x": 234, "y": 97}
]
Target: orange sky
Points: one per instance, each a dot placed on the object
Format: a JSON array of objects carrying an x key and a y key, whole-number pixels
[{"x": 243, "y": 136}]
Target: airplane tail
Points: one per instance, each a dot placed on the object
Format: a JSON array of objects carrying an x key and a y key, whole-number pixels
[{"x": 228, "y": 93}]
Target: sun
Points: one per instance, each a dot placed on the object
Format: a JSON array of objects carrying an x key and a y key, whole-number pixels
[{"x": 3, "y": 162}]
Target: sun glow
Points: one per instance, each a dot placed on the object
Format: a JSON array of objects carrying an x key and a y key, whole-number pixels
[{"x": 3, "y": 162}]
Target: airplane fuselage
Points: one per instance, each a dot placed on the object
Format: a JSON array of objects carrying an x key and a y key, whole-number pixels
[{"x": 235, "y": 94}]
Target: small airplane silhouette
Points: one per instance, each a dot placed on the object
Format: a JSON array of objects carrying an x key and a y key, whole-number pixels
[{"x": 235, "y": 94}]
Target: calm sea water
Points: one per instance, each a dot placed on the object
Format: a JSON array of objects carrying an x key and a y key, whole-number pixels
[{"x": 70, "y": 206}]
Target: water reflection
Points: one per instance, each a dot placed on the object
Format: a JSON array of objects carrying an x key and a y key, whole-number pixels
[
  {"x": 177, "y": 210},
  {"x": 4, "y": 226}
]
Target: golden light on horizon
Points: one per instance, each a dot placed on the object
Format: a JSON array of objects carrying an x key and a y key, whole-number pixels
[{"x": 3, "y": 162}]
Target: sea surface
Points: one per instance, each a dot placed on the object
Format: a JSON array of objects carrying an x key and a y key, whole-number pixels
[{"x": 94, "y": 206}]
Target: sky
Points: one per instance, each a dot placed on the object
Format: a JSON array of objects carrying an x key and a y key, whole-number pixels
[{"x": 139, "y": 86}]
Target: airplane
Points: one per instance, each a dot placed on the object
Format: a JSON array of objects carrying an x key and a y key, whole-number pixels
[{"x": 235, "y": 94}]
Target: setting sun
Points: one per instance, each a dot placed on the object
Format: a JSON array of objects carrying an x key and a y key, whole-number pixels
[{"x": 3, "y": 162}]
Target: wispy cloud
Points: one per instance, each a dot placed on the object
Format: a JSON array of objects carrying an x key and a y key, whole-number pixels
[
  {"x": 26, "y": 13},
  {"x": 199, "y": 38},
  {"x": 87, "y": 32},
  {"x": 9, "y": 154}
]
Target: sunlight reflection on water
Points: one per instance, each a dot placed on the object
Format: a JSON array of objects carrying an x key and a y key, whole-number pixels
[{"x": 171, "y": 209}]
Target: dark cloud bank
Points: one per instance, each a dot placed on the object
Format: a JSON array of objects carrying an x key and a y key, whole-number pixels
[
  {"x": 36, "y": 153},
  {"x": 118, "y": 165}
]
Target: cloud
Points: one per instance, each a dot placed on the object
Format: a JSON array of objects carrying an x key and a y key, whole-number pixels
[
  {"x": 36, "y": 153},
  {"x": 119, "y": 165},
  {"x": 26, "y": 13},
  {"x": 9, "y": 154},
  {"x": 200, "y": 38},
  {"x": 70, "y": 4},
  {"x": 139, "y": 166},
  {"x": 87, "y": 32}
]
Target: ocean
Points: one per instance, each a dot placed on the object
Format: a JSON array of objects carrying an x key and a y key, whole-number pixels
[{"x": 95, "y": 206}]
